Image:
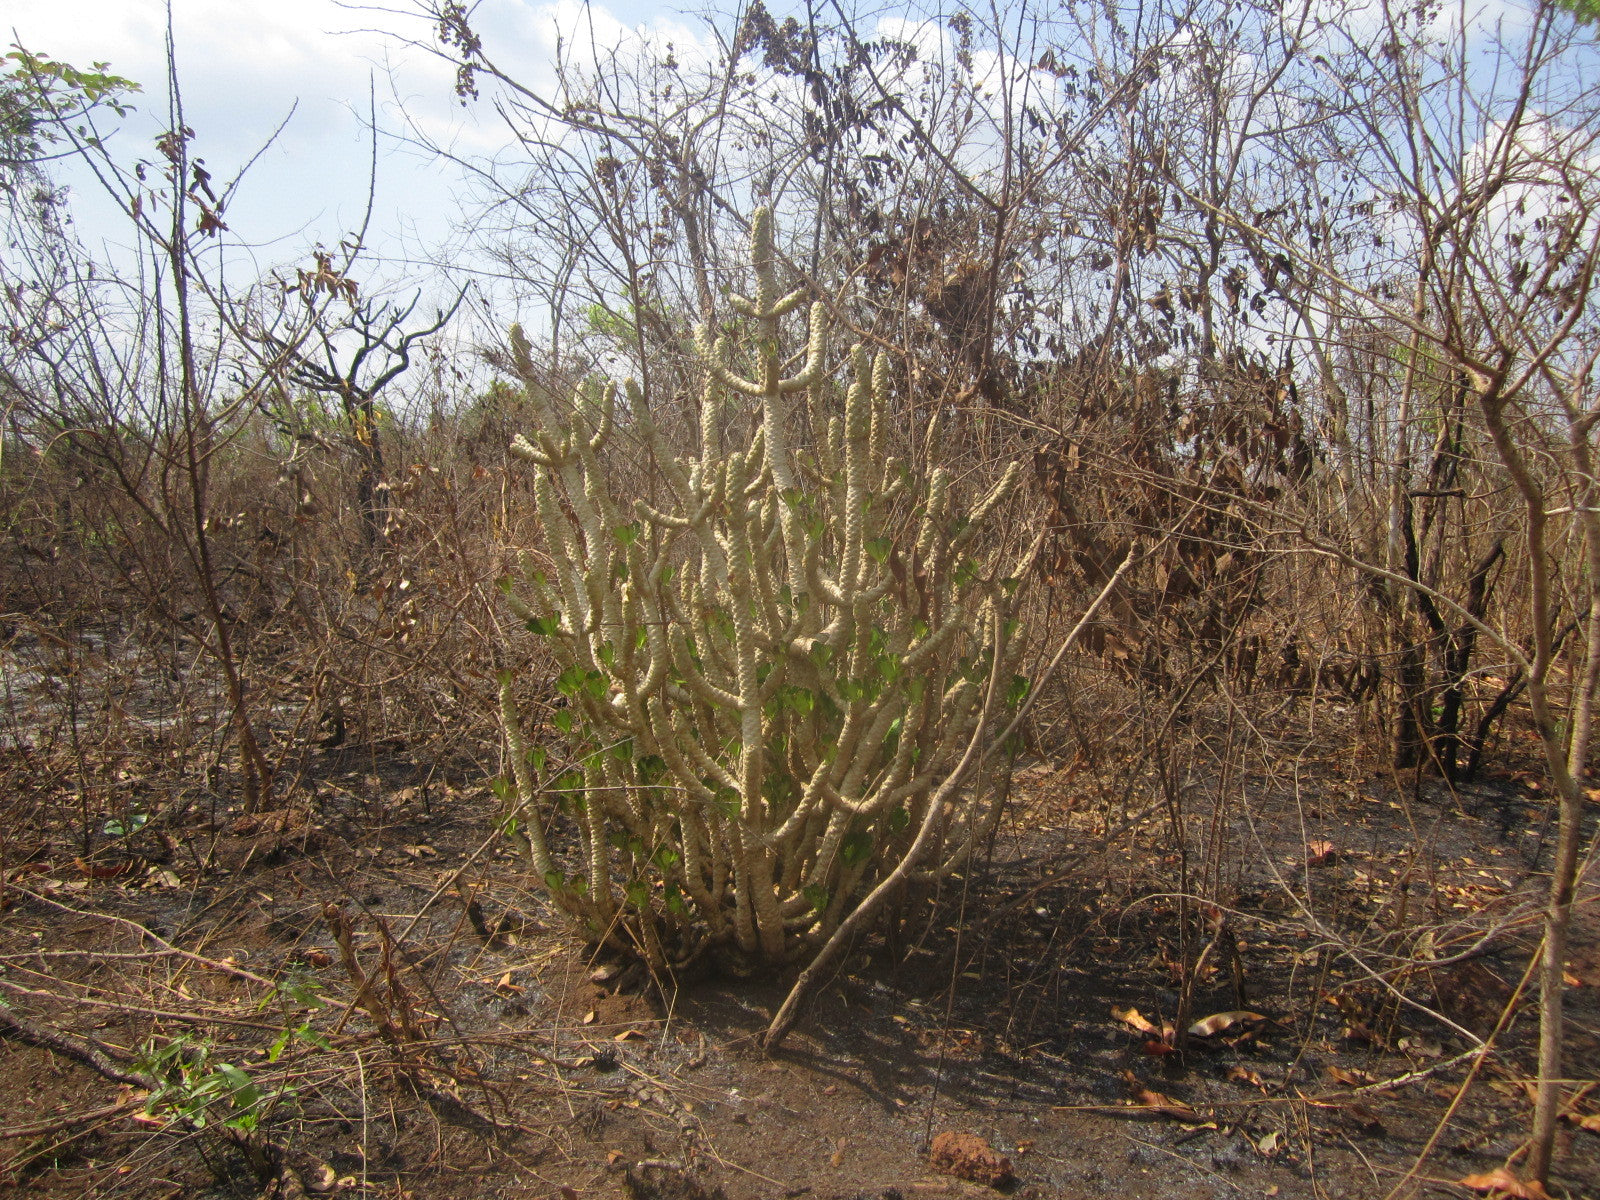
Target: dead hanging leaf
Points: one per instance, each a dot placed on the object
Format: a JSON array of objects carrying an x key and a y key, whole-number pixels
[
  {"x": 1220, "y": 1022},
  {"x": 1504, "y": 1183}
]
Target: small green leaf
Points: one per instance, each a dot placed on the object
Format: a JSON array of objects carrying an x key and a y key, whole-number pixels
[
  {"x": 570, "y": 681},
  {"x": 778, "y": 788},
  {"x": 303, "y": 993},
  {"x": 117, "y": 828},
  {"x": 275, "y": 1051},
  {"x": 1018, "y": 691},
  {"x": 856, "y": 848},
  {"x": 545, "y": 626}
]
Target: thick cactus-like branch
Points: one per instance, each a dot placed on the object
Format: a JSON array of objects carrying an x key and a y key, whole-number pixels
[{"x": 764, "y": 680}]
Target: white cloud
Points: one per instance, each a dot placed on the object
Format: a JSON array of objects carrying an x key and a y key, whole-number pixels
[
  {"x": 247, "y": 65},
  {"x": 1337, "y": 24}
]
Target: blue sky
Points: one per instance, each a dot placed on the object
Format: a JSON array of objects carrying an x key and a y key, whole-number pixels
[{"x": 248, "y": 66}]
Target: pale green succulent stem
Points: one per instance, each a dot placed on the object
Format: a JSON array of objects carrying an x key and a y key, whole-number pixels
[{"x": 794, "y": 675}]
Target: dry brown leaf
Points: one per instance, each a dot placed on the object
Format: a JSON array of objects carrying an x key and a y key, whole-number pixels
[
  {"x": 1166, "y": 1105},
  {"x": 969, "y": 1157},
  {"x": 1219, "y": 1022},
  {"x": 1132, "y": 1016},
  {"x": 588, "y": 1017},
  {"x": 1320, "y": 853},
  {"x": 1360, "y": 1031},
  {"x": 1157, "y": 1102},
  {"x": 1506, "y": 1184},
  {"x": 1590, "y": 1122},
  {"x": 1351, "y": 1078},
  {"x": 631, "y": 1035},
  {"x": 1421, "y": 1047},
  {"x": 1364, "y": 1119},
  {"x": 1238, "y": 1074}
]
